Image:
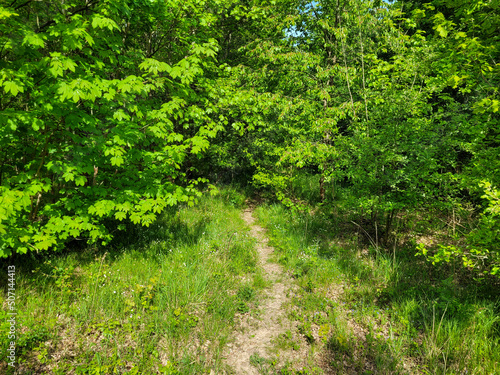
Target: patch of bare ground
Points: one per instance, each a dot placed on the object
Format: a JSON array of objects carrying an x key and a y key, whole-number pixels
[{"x": 256, "y": 334}]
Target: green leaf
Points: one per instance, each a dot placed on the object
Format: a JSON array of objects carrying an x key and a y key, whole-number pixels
[
  {"x": 12, "y": 87},
  {"x": 65, "y": 91},
  {"x": 6, "y": 13},
  {"x": 117, "y": 160},
  {"x": 442, "y": 31},
  {"x": 80, "y": 180},
  {"x": 33, "y": 39},
  {"x": 68, "y": 176},
  {"x": 98, "y": 21}
]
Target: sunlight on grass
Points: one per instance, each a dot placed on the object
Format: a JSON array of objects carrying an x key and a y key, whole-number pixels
[
  {"x": 159, "y": 300},
  {"x": 383, "y": 314}
]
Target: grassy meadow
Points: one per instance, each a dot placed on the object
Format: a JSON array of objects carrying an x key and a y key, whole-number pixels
[
  {"x": 157, "y": 300},
  {"x": 367, "y": 310},
  {"x": 163, "y": 299}
]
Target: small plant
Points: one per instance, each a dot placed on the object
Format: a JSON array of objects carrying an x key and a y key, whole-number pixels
[
  {"x": 43, "y": 355},
  {"x": 179, "y": 321},
  {"x": 256, "y": 359},
  {"x": 28, "y": 340},
  {"x": 106, "y": 328},
  {"x": 242, "y": 306},
  {"x": 261, "y": 363},
  {"x": 246, "y": 293},
  {"x": 146, "y": 294},
  {"x": 233, "y": 197},
  {"x": 168, "y": 369},
  {"x": 243, "y": 296},
  {"x": 305, "y": 328},
  {"x": 324, "y": 331},
  {"x": 286, "y": 341}
]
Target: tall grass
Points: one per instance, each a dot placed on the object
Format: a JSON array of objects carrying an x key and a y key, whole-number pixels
[
  {"x": 384, "y": 314},
  {"x": 157, "y": 300}
]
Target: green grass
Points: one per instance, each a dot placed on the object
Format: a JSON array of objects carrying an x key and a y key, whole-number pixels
[
  {"x": 157, "y": 300},
  {"x": 162, "y": 300},
  {"x": 382, "y": 312}
]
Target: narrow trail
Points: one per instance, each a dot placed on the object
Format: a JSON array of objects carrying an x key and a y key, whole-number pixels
[{"x": 255, "y": 334}]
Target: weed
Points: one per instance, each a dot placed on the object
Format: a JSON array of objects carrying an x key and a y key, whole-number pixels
[
  {"x": 246, "y": 293},
  {"x": 257, "y": 360},
  {"x": 305, "y": 329},
  {"x": 242, "y": 306},
  {"x": 286, "y": 341}
]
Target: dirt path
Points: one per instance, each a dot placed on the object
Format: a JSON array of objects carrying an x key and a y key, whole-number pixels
[{"x": 255, "y": 334}]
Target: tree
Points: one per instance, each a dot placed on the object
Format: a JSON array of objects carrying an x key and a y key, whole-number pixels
[{"x": 104, "y": 103}]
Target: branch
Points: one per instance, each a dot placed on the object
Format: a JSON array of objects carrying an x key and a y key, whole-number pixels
[
  {"x": 363, "y": 69},
  {"x": 79, "y": 10},
  {"x": 22, "y": 5},
  {"x": 347, "y": 76},
  {"x": 369, "y": 237}
]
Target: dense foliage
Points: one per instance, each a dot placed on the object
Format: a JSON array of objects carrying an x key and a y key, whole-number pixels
[
  {"x": 393, "y": 107},
  {"x": 112, "y": 110},
  {"x": 103, "y": 104}
]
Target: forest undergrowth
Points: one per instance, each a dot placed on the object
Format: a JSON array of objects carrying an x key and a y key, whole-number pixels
[
  {"x": 159, "y": 300},
  {"x": 376, "y": 310},
  {"x": 164, "y": 300}
]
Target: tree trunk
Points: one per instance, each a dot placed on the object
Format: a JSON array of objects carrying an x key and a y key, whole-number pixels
[{"x": 322, "y": 189}]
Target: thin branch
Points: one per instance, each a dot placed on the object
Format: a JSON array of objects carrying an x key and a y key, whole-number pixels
[
  {"x": 347, "y": 76},
  {"x": 369, "y": 237},
  {"x": 79, "y": 10},
  {"x": 363, "y": 68},
  {"x": 22, "y": 5}
]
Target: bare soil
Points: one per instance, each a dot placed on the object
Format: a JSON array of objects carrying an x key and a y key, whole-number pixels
[{"x": 255, "y": 334}]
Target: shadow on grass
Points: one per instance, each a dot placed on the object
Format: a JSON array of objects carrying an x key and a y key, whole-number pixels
[
  {"x": 431, "y": 309},
  {"x": 167, "y": 232}
]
